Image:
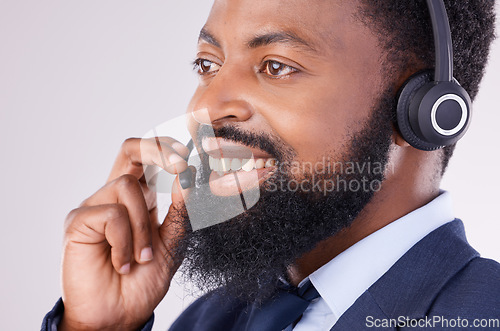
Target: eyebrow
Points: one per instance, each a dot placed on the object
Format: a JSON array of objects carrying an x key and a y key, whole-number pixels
[
  {"x": 208, "y": 37},
  {"x": 266, "y": 39},
  {"x": 279, "y": 37}
]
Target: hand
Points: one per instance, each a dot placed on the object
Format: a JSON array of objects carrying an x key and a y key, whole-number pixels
[{"x": 118, "y": 260}]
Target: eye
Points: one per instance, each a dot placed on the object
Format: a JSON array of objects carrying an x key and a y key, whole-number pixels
[
  {"x": 204, "y": 66},
  {"x": 277, "y": 69}
]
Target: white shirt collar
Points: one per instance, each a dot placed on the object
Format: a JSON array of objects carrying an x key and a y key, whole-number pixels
[{"x": 342, "y": 280}]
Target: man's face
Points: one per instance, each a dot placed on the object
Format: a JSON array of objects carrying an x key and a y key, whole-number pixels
[
  {"x": 305, "y": 71},
  {"x": 301, "y": 81}
]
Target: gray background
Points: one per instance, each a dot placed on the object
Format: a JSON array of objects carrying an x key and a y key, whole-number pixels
[{"x": 79, "y": 77}]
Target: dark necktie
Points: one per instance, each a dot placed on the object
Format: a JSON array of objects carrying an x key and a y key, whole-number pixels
[{"x": 283, "y": 311}]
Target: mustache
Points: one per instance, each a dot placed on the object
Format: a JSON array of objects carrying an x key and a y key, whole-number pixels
[{"x": 265, "y": 142}]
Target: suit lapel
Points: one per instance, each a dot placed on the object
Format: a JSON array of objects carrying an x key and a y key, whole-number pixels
[
  {"x": 363, "y": 312},
  {"x": 410, "y": 286}
]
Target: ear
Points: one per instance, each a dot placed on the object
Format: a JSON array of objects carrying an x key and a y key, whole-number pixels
[{"x": 398, "y": 139}]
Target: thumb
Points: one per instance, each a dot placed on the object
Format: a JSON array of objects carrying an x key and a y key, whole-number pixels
[
  {"x": 182, "y": 186},
  {"x": 176, "y": 223}
]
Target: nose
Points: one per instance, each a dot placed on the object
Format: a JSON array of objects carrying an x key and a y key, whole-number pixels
[{"x": 225, "y": 99}]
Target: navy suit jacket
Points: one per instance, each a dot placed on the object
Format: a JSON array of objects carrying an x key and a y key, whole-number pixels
[{"x": 441, "y": 276}]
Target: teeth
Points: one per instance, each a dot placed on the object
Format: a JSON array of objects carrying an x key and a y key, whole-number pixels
[
  {"x": 248, "y": 165},
  {"x": 211, "y": 162},
  {"x": 235, "y": 164},
  {"x": 260, "y": 163},
  {"x": 225, "y": 165},
  {"x": 270, "y": 163}
]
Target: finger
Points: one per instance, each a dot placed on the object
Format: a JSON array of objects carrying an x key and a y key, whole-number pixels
[
  {"x": 93, "y": 225},
  {"x": 149, "y": 194},
  {"x": 179, "y": 193},
  {"x": 127, "y": 190},
  {"x": 179, "y": 147},
  {"x": 164, "y": 152},
  {"x": 171, "y": 161},
  {"x": 175, "y": 223}
]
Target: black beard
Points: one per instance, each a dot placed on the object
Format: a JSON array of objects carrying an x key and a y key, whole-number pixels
[{"x": 247, "y": 255}]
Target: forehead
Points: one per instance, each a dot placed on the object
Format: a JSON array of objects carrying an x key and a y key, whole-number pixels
[{"x": 320, "y": 22}]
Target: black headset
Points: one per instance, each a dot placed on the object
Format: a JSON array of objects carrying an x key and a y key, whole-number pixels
[{"x": 433, "y": 110}]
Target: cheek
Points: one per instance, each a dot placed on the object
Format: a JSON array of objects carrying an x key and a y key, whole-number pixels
[
  {"x": 320, "y": 116},
  {"x": 316, "y": 124},
  {"x": 313, "y": 133}
]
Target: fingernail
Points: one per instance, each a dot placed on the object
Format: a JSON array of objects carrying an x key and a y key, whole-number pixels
[
  {"x": 175, "y": 159},
  {"x": 180, "y": 148},
  {"x": 146, "y": 254},
  {"x": 125, "y": 269}
]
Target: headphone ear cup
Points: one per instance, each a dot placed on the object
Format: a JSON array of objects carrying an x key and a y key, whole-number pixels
[
  {"x": 416, "y": 84},
  {"x": 432, "y": 115}
]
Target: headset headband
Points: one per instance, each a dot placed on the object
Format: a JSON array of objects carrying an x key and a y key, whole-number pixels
[{"x": 442, "y": 41}]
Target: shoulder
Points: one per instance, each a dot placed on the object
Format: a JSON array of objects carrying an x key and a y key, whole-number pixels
[
  {"x": 213, "y": 311},
  {"x": 474, "y": 291}
]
